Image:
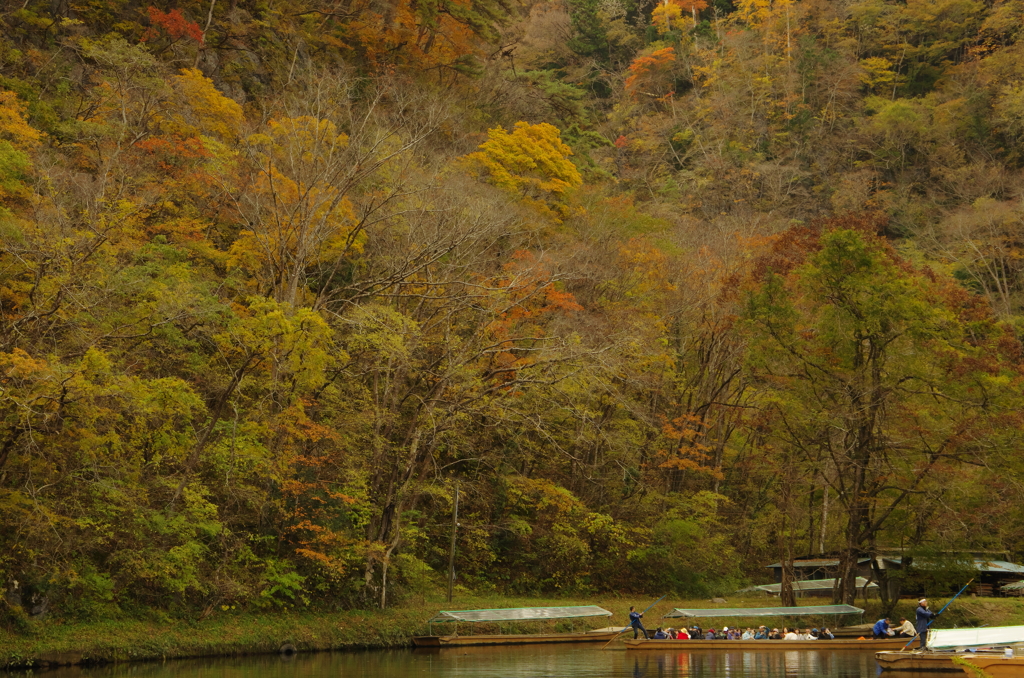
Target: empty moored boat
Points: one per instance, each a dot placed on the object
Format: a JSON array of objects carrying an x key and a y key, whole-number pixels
[
  {"x": 515, "y": 614},
  {"x": 945, "y": 644}
]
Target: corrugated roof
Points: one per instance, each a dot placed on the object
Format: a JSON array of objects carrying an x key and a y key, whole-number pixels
[
  {"x": 766, "y": 611},
  {"x": 519, "y": 614},
  {"x": 814, "y": 585},
  {"x": 982, "y": 565},
  {"x": 1000, "y": 566},
  {"x": 817, "y": 563}
]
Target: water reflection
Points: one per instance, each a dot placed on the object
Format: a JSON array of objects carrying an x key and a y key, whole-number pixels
[
  {"x": 520, "y": 662},
  {"x": 754, "y": 664}
]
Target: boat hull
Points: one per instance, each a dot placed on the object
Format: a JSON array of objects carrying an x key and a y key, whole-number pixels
[
  {"x": 513, "y": 639},
  {"x": 918, "y": 661},
  {"x": 997, "y": 666},
  {"x": 766, "y": 645}
]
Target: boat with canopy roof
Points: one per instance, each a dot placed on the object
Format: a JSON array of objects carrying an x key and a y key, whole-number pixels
[
  {"x": 515, "y": 614},
  {"x": 823, "y": 611},
  {"x": 945, "y": 644}
]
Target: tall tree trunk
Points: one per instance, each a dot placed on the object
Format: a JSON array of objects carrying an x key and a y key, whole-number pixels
[
  {"x": 787, "y": 598},
  {"x": 845, "y": 590},
  {"x": 888, "y": 587}
]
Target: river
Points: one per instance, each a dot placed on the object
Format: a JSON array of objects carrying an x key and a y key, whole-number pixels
[{"x": 512, "y": 662}]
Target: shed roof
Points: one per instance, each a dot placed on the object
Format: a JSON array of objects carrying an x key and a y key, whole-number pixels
[
  {"x": 982, "y": 565},
  {"x": 815, "y": 585},
  {"x": 817, "y": 563}
]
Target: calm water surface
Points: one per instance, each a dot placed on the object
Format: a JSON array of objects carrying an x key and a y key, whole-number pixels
[{"x": 521, "y": 662}]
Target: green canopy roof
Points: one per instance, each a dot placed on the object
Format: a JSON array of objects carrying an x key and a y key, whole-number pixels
[
  {"x": 519, "y": 614},
  {"x": 767, "y": 611}
]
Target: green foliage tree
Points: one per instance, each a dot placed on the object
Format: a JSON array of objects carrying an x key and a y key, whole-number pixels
[{"x": 878, "y": 376}]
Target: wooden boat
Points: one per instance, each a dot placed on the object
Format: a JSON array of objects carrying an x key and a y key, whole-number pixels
[
  {"x": 919, "y": 661},
  {"x": 835, "y": 611},
  {"x": 515, "y": 614},
  {"x": 767, "y": 645},
  {"x": 996, "y": 666},
  {"x": 945, "y": 650},
  {"x": 514, "y": 639}
]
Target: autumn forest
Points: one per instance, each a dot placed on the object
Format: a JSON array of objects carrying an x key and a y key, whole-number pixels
[{"x": 668, "y": 289}]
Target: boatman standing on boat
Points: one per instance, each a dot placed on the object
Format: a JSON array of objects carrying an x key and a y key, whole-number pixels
[
  {"x": 924, "y": 616},
  {"x": 634, "y": 621}
]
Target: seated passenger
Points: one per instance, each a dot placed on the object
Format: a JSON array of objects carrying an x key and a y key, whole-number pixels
[
  {"x": 775, "y": 635},
  {"x": 747, "y": 635},
  {"x": 814, "y": 634},
  {"x": 683, "y": 634},
  {"x": 906, "y": 628},
  {"x": 790, "y": 635},
  {"x": 660, "y": 635},
  {"x": 826, "y": 634},
  {"x": 762, "y": 633},
  {"x": 710, "y": 635}
]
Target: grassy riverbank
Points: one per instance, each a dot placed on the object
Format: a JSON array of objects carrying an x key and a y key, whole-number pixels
[{"x": 229, "y": 632}]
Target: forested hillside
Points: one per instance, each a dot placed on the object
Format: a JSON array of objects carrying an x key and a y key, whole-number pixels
[{"x": 669, "y": 289}]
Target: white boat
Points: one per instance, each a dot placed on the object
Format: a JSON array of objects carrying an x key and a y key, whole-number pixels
[{"x": 945, "y": 644}]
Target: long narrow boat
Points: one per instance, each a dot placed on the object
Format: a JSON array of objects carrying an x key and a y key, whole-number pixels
[
  {"x": 767, "y": 645},
  {"x": 944, "y": 644},
  {"x": 823, "y": 611},
  {"x": 515, "y": 614}
]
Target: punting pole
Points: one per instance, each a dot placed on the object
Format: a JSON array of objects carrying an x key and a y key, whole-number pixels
[
  {"x": 940, "y": 611},
  {"x": 631, "y": 626}
]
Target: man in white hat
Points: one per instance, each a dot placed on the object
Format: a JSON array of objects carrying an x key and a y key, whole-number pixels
[{"x": 924, "y": 617}]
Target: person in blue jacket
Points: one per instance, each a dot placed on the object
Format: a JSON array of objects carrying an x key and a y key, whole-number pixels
[
  {"x": 924, "y": 617},
  {"x": 881, "y": 628},
  {"x": 634, "y": 621}
]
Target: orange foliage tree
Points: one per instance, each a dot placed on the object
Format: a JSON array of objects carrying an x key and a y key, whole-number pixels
[{"x": 649, "y": 72}]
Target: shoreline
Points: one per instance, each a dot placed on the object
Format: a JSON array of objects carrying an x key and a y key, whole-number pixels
[
  {"x": 53, "y": 642},
  {"x": 52, "y": 645}
]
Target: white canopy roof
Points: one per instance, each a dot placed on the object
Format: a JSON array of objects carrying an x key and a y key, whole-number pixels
[
  {"x": 519, "y": 614},
  {"x": 992, "y": 635},
  {"x": 766, "y": 611}
]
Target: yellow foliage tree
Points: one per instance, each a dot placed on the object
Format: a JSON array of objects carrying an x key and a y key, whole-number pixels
[
  {"x": 13, "y": 127},
  {"x": 667, "y": 17},
  {"x": 531, "y": 161},
  {"x": 203, "y": 110},
  {"x": 295, "y": 206},
  {"x": 16, "y": 137}
]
